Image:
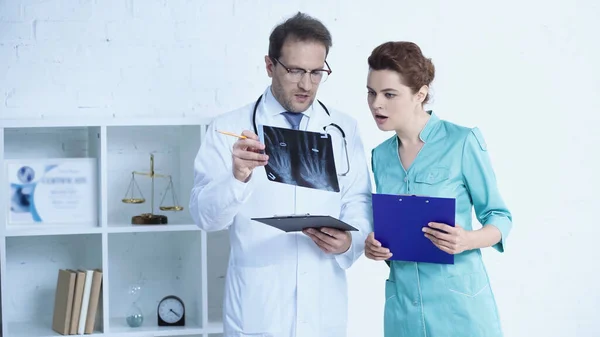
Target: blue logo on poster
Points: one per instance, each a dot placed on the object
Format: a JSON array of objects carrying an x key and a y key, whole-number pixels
[
  {"x": 22, "y": 198},
  {"x": 26, "y": 174}
]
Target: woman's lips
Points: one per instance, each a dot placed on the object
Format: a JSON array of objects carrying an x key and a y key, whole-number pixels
[{"x": 380, "y": 118}]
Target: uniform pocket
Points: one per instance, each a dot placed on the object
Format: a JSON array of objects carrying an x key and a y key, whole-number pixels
[
  {"x": 390, "y": 290},
  {"x": 468, "y": 285},
  {"x": 391, "y": 314},
  {"x": 434, "y": 181},
  {"x": 433, "y": 175},
  {"x": 472, "y": 306}
]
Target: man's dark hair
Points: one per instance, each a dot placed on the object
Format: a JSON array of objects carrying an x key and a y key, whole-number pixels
[{"x": 301, "y": 27}]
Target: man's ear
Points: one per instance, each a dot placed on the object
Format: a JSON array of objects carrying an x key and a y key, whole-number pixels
[{"x": 269, "y": 65}]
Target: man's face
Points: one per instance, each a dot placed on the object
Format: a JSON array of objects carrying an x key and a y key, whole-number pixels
[{"x": 308, "y": 55}]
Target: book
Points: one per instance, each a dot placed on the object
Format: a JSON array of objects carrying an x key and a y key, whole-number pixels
[
  {"x": 94, "y": 300},
  {"x": 77, "y": 300},
  {"x": 87, "y": 290},
  {"x": 63, "y": 301}
]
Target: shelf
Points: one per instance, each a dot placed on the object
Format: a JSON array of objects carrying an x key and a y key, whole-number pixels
[
  {"x": 214, "y": 327},
  {"x": 32, "y": 264},
  {"x": 162, "y": 263},
  {"x": 129, "y": 149},
  {"x": 150, "y": 326},
  {"x": 127, "y": 228},
  {"x": 40, "y": 230},
  {"x": 34, "y": 328},
  {"x": 31, "y": 329},
  {"x": 176, "y": 258},
  {"x": 89, "y": 122},
  {"x": 48, "y": 230}
]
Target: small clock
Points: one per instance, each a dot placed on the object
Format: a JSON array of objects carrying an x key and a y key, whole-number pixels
[{"x": 171, "y": 311}]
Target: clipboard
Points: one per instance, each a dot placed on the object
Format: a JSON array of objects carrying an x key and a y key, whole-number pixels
[
  {"x": 398, "y": 221},
  {"x": 298, "y": 222}
]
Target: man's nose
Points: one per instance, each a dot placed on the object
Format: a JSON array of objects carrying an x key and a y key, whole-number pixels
[{"x": 305, "y": 82}]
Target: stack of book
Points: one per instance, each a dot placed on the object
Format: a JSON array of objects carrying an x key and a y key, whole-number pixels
[{"x": 76, "y": 301}]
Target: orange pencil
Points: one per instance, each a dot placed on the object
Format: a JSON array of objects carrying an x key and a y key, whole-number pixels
[{"x": 232, "y": 134}]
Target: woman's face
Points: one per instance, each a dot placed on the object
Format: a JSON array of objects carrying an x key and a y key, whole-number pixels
[{"x": 390, "y": 101}]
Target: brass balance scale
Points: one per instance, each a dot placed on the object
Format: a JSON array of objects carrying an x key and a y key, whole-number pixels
[{"x": 151, "y": 218}]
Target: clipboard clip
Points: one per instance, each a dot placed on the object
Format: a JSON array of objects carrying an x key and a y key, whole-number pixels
[
  {"x": 414, "y": 196},
  {"x": 292, "y": 215}
]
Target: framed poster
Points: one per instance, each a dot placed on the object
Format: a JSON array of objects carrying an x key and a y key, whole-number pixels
[{"x": 56, "y": 191}]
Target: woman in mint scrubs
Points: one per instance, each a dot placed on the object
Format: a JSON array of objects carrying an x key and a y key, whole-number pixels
[{"x": 433, "y": 157}]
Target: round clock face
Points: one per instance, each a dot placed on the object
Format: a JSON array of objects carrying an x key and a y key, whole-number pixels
[{"x": 170, "y": 310}]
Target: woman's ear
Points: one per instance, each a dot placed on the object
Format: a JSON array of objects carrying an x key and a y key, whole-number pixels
[{"x": 422, "y": 94}]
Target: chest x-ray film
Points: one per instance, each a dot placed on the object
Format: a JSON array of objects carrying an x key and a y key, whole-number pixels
[{"x": 300, "y": 158}]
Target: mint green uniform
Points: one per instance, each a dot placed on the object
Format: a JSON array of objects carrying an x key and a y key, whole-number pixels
[{"x": 437, "y": 300}]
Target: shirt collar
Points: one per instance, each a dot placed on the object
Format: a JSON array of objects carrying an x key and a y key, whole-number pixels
[
  {"x": 273, "y": 107},
  {"x": 432, "y": 129}
]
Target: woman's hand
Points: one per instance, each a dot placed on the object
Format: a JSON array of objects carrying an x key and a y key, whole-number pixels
[
  {"x": 455, "y": 240},
  {"x": 373, "y": 249}
]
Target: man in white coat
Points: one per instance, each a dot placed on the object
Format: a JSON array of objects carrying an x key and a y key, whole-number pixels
[{"x": 282, "y": 284}]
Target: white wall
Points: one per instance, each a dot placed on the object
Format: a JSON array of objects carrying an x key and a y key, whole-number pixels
[{"x": 526, "y": 73}]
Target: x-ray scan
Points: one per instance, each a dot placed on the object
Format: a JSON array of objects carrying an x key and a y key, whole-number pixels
[{"x": 301, "y": 158}]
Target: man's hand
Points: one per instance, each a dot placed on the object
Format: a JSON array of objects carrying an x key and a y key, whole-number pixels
[
  {"x": 330, "y": 240},
  {"x": 246, "y": 156},
  {"x": 374, "y": 250}
]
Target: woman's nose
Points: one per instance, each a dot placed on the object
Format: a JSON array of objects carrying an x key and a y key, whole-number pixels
[{"x": 377, "y": 102}]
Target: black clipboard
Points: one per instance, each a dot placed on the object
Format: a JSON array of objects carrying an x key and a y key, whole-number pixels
[{"x": 298, "y": 222}]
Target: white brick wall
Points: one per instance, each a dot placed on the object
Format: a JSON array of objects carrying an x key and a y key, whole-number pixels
[
  {"x": 112, "y": 58},
  {"x": 132, "y": 57},
  {"x": 505, "y": 66}
]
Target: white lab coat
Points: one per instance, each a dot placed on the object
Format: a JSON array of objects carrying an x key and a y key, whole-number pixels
[{"x": 281, "y": 284}]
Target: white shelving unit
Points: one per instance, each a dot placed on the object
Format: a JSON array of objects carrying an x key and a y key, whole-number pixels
[{"x": 172, "y": 259}]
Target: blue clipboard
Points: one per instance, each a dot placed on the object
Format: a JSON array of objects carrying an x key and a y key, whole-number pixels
[{"x": 398, "y": 221}]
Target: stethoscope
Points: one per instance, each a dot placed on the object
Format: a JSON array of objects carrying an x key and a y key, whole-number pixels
[{"x": 324, "y": 129}]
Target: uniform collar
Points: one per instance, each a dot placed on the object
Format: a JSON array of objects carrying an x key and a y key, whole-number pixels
[
  {"x": 273, "y": 107},
  {"x": 432, "y": 130}
]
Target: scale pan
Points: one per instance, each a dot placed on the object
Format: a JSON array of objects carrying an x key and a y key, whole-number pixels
[
  {"x": 134, "y": 200},
  {"x": 171, "y": 208}
]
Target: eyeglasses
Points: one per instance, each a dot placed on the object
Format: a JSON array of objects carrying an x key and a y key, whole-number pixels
[{"x": 296, "y": 74}]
